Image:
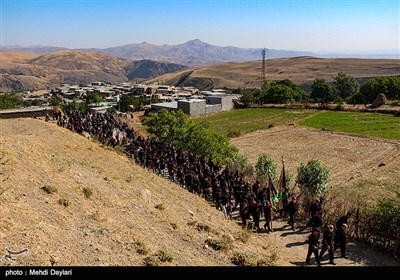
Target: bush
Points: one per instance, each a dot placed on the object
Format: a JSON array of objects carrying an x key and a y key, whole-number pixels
[
  {"x": 49, "y": 189},
  {"x": 219, "y": 244},
  {"x": 242, "y": 259},
  {"x": 378, "y": 225},
  {"x": 152, "y": 261},
  {"x": 64, "y": 202},
  {"x": 244, "y": 235},
  {"x": 87, "y": 192},
  {"x": 164, "y": 256},
  {"x": 141, "y": 248},
  {"x": 160, "y": 206}
]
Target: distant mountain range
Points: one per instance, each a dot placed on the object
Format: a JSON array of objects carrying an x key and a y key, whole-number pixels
[
  {"x": 195, "y": 52},
  {"x": 191, "y": 53},
  {"x": 22, "y": 71}
]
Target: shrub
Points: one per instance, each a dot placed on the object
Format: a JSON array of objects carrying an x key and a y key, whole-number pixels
[
  {"x": 242, "y": 259},
  {"x": 64, "y": 202},
  {"x": 378, "y": 224},
  {"x": 219, "y": 244},
  {"x": 160, "y": 206},
  {"x": 87, "y": 192},
  {"x": 141, "y": 248},
  {"x": 49, "y": 189},
  {"x": 191, "y": 223},
  {"x": 244, "y": 235},
  {"x": 164, "y": 256},
  {"x": 152, "y": 261}
]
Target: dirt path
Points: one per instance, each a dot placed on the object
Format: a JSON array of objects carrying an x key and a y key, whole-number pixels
[{"x": 293, "y": 248}]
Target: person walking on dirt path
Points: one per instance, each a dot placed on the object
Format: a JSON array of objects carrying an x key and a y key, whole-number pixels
[
  {"x": 292, "y": 209},
  {"x": 343, "y": 220},
  {"x": 340, "y": 240},
  {"x": 313, "y": 241},
  {"x": 327, "y": 244}
]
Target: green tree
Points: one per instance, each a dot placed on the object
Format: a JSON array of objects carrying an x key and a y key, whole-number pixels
[
  {"x": 247, "y": 97},
  {"x": 346, "y": 85},
  {"x": 168, "y": 126},
  {"x": 265, "y": 165},
  {"x": 312, "y": 178},
  {"x": 10, "y": 101},
  {"x": 321, "y": 91},
  {"x": 74, "y": 105},
  {"x": 93, "y": 98},
  {"x": 176, "y": 128},
  {"x": 280, "y": 94},
  {"x": 55, "y": 101},
  {"x": 390, "y": 86}
]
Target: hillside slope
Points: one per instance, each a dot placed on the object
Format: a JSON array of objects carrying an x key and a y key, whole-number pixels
[
  {"x": 301, "y": 70},
  {"x": 102, "y": 229},
  {"x": 20, "y": 72}
]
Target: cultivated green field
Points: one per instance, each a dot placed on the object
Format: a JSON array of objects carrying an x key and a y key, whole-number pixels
[
  {"x": 242, "y": 121},
  {"x": 369, "y": 124}
]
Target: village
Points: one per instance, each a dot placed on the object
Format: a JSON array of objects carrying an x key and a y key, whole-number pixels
[{"x": 190, "y": 100}]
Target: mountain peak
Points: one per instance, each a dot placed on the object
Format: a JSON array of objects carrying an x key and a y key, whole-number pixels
[{"x": 195, "y": 42}]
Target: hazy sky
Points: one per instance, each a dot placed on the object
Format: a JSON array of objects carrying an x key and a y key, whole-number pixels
[{"x": 334, "y": 25}]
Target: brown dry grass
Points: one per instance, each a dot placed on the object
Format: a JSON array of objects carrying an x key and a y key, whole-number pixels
[
  {"x": 298, "y": 69},
  {"x": 104, "y": 229}
]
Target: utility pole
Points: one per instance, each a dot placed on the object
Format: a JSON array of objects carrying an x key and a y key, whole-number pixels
[{"x": 263, "y": 66}]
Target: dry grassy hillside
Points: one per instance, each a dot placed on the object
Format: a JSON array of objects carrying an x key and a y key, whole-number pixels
[
  {"x": 20, "y": 72},
  {"x": 10, "y": 57},
  {"x": 101, "y": 229},
  {"x": 301, "y": 70}
]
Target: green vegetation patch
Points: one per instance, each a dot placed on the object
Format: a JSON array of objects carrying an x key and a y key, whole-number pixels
[
  {"x": 49, "y": 189},
  {"x": 368, "y": 124},
  {"x": 64, "y": 202},
  {"x": 241, "y": 121}
]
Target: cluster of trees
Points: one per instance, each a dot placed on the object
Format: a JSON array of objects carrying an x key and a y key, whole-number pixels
[
  {"x": 136, "y": 102},
  {"x": 12, "y": 100},
  {"x": 345, "y": 88},
  {"x": 177, "y": 129},
  {"x": 284, "y": 91}
]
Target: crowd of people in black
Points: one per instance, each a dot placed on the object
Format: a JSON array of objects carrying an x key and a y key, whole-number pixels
[{"x": 227, "y": 190}]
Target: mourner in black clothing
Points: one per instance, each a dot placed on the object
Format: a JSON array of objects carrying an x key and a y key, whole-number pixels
[
  {"x": 292, "y": 209},
  {"x": 327, "y": 244},
  {"x": 256, "y": 211},
  {"x": 343, "y": 220},
  {"x": 267, "y": 215},
  {"x": 340, "y": 240},
  {"x": 313, "y": 246}
]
